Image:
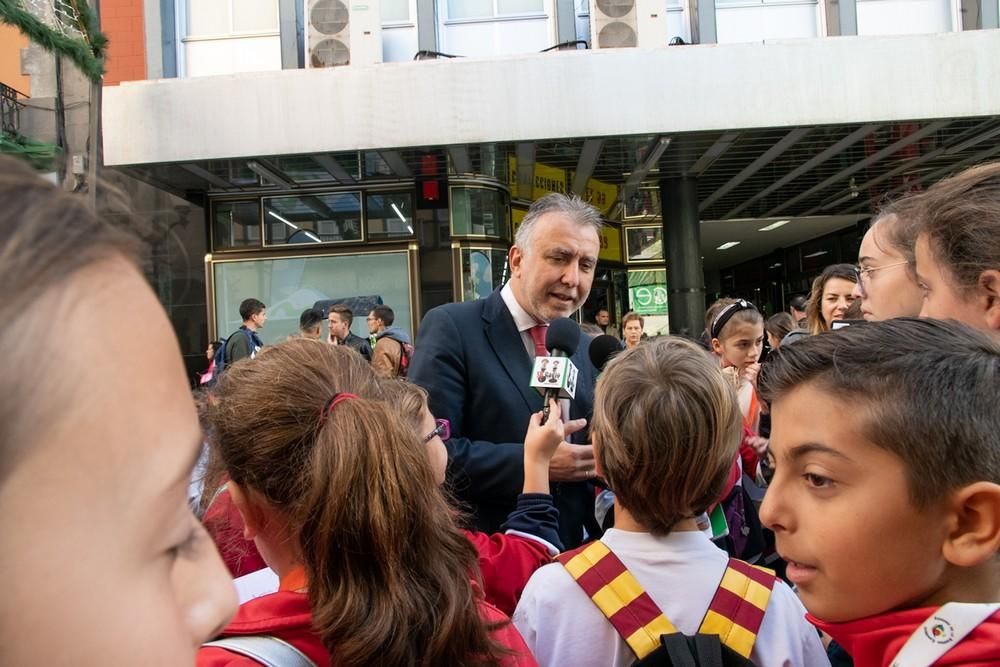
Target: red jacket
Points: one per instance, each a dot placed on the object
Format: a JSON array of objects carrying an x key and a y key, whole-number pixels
[
  {"x": 286, "y": 615},
  {"x": 506, "y": 561},
  {"x": 875, "y": 641}
]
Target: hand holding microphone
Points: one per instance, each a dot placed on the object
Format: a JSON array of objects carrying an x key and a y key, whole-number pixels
[{"x": 555, "y": 375}]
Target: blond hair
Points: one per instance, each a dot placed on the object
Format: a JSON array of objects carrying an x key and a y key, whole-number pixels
[{"x": 667, "y": 427}]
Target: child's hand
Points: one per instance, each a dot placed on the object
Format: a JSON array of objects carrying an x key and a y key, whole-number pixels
[
  {"x": 541, "y": 441},
  {"x": 540, "y": 445},
  {"x": 750, "y": 373},
  {"x": 758, "y": 444}
]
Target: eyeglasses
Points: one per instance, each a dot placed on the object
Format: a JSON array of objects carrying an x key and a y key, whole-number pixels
[
  {"x": 442, "y": 430},
  {"x": 865, "y": 274}
]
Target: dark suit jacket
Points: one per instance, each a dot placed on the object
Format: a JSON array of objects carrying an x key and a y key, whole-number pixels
[{"x": 472, "y": 361}]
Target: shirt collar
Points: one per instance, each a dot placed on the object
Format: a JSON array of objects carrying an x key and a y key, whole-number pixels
[{"x": 522, "y": 320}]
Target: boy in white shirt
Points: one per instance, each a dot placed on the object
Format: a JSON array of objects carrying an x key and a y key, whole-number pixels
[{"x": 666, "y": 429}]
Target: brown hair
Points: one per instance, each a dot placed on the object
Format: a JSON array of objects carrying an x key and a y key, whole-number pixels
[
  {"x": 388, "y": 568},
  {"x": 924, "y": 390},
  {"x": 744, "y": 316},
  {"x": 780, "y": 324},
  {"x": 898, "y": 224},
  {"x": 961, "y": 220},
  {"x": 667, "y": 426},
  {"x": 628, "y": 317},
  {"x": 814, "y": 311},
  {"x": 47, "y": 236},
  {"x": 345, "y": 312}
]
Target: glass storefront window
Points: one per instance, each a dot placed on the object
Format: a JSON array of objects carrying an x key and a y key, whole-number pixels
[
  {"x": 477, "y": 211},
  {"x": 483, "y": 270},
  {"x": 389, "y": 215},
  {"x": 235, "y": 224},
  {"x": 328, "y": 218},
  {"x": 289, "y": 286},
  {"x": 644, "y": 244},
  {"x": 647, "y": 295}
]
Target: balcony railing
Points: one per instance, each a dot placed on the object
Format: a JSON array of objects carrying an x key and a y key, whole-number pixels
[{"x": 10, "y": 109}]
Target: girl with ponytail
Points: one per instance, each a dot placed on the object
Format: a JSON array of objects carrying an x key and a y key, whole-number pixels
[{"x": 341, "y": 499}]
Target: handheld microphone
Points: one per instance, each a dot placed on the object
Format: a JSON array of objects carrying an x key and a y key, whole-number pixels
[
  {"x": 603, "y": 349},
  {"x": 555, "y": 376}
]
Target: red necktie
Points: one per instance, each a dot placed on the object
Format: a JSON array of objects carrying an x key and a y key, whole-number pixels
[{"x": 538, "y": 336}]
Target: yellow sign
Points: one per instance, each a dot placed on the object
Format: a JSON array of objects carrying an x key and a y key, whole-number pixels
[
  {"x": 548, "y": 179},
  {"x": 611, "y": 243}
]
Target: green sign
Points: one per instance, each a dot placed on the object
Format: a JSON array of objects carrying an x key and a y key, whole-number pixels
[{"x": 649, "y": 299}]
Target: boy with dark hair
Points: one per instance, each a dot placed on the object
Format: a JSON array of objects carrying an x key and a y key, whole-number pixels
[
  {"x": 886, "y": 495},
  {"x": 666, "y": 429},
  {"x": 244, "y": 342},
  {"x": 393, "y": 347},
  {"x": 311, "y": 323}
]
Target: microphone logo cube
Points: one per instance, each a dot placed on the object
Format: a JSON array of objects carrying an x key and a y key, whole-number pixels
[{"x": 556, "y": 374}]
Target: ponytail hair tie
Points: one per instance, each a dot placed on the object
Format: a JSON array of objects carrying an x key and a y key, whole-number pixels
[{"x": 332, "y": 403}]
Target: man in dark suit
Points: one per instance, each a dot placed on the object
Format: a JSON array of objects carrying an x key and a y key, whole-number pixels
[{"x": 475, "y": 361}]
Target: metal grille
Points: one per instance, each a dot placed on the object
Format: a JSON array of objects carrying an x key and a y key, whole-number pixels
[{"x": 10, "y": 109}]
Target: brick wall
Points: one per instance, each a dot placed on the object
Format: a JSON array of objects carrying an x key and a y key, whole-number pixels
[{"x": 122, "y": 22}]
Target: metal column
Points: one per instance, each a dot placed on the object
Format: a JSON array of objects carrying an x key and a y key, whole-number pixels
[{"x": 682, "y": 241}]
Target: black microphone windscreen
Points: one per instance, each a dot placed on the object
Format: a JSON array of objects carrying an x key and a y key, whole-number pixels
[
  {"x": 563, "y": 334},
  {"x": 602, "y": 349}
]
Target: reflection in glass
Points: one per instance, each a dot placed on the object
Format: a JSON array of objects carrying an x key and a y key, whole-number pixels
[
  {"x": 328, "y": 218},
  {"x": 235, "y": 224},
  {"x": 289, "y": 286},
  {"x": 644, "y": 244},
  {"x": 389, "y": 215},
  {"x": 480, "y": 212},
  {"x": 483, "y": 270}
]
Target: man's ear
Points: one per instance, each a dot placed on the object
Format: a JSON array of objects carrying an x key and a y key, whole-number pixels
[
  {"x": 253, "y": 518},
  {"x": 514, "y": 257},
  {"x": 989, "y": 285},
  {"x": 973, "y": 525}
]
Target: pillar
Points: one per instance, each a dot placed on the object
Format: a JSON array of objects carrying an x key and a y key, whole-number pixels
[{"x": 682, "y": 242}]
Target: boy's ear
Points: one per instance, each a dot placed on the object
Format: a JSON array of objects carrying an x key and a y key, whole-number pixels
[
  {"x": 253, "y": 519},
  {"x": 974, "y": 528},
  {"x": 989, "y": 283}
]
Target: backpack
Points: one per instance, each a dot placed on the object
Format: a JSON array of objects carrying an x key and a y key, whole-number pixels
[
  {"x": 727, "y": 633},
  {"x": 264, "y": 649},
  {"x": 405, "y": 352},
  {"x": 220, "y": 354}
]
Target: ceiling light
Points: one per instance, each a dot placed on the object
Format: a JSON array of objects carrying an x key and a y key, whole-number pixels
[
  {"x": 275, "y": 215},
  {"x": 728, "y": 244},
  {"x": 818, "y": 253},
  {"x": 774, "y": 225}
]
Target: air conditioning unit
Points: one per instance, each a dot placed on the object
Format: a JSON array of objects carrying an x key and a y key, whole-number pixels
[
  {"x": 616, "y": 24},
  {"x": 613, "y": 24},
  {"x": 338, "y": 33}
]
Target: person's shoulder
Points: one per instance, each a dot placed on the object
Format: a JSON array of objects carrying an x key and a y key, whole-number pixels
[{"x": 550, "y": 582}]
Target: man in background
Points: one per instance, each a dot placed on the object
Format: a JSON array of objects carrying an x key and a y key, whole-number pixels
[{"x": 339, "y": 320}]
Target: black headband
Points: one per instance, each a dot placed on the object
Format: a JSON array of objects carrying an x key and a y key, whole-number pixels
[{"x": 722, "y": 319}]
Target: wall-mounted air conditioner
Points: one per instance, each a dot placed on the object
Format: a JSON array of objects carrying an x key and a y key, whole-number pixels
[
  {"x": 339, "y": 33},
  {"x": 616, "y": 24}
]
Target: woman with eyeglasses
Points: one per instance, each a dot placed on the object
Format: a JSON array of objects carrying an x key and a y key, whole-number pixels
[{"x": 887, "y": 280}]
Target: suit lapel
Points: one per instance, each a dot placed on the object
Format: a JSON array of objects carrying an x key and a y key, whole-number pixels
[{"x": 506, "y": 342}]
